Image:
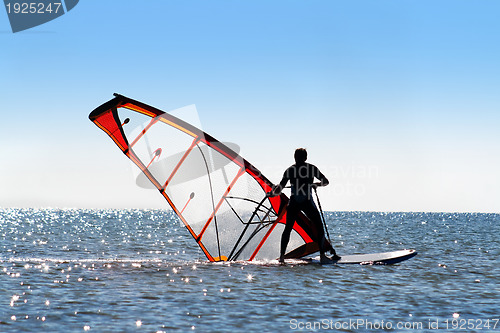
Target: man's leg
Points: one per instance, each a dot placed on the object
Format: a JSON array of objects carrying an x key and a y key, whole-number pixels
[
  {"x": 291, "y": 215},
  {"x": 312, "y": 213}
]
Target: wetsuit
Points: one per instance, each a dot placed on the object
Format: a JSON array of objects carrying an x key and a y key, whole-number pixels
[{"x": 301, "y": 177}]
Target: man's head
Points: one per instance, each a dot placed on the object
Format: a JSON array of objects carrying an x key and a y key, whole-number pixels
[{"x": 300, "y": 155}]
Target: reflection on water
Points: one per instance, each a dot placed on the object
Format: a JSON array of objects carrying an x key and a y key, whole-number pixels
[{"x": 131, "y": 270}]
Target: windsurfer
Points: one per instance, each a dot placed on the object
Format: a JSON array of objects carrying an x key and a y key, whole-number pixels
[{"x": 301, "y": 176}]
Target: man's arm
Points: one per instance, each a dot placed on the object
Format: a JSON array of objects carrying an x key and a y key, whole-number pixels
[
  {"x": 278, "y": 188},
  {"x": 323, "y": 180}
]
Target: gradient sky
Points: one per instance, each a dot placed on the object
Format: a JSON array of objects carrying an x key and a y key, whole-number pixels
[{"x": 398, "y": 102}]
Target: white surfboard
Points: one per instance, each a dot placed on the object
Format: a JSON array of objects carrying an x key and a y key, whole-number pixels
[{"x": 383, "y": 258}]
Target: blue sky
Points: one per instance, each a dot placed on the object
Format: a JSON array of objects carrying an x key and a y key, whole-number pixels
[{"x": 397, "y": 101}]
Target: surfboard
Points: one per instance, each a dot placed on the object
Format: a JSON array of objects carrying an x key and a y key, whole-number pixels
[{"x": 382, "y": 258}]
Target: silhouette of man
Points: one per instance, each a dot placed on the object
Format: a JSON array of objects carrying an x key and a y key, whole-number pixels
[{"x": 301, "y": 176}]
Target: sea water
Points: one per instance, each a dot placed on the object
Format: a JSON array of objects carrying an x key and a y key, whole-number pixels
[{"x": 140, "y": 271}]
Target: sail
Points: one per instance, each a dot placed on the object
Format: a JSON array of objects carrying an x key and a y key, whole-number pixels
[{"x": 219, "y": 196}]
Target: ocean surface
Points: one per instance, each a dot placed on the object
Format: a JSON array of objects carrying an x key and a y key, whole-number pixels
[{"x": 140, "y": 271}]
